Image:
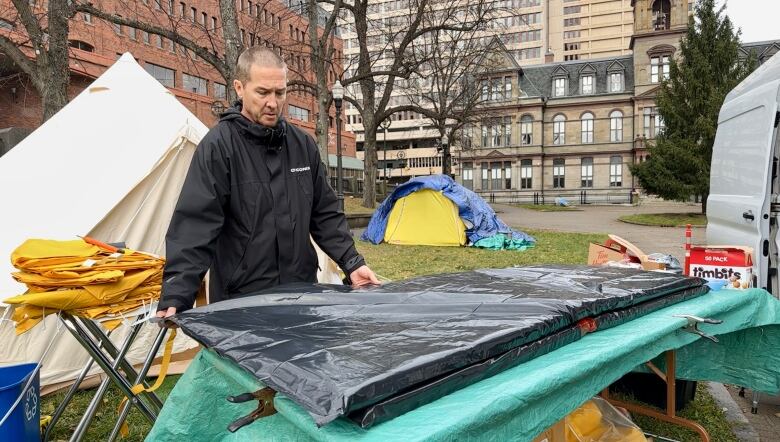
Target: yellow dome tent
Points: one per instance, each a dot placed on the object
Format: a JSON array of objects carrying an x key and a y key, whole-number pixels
[{"x": 425, "y": 217}]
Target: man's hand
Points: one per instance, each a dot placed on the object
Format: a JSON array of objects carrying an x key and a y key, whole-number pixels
[
  {"x": 164, "y": 314},
  {"x": 361, "y": 277}
]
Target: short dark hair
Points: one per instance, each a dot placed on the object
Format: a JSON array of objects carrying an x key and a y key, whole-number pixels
[{"x": 257, "y": 55}]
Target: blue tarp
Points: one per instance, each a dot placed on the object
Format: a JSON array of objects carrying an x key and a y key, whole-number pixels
[{"x": 480, "y": 219}]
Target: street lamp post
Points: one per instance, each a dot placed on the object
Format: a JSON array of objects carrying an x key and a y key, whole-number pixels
[
  {"x": 338, "y": 96},
  {"x": 445, "y": 141},
  {"x": 385, "y": 125}
]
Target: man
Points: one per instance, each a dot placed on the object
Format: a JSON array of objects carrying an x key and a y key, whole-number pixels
[{"x": 256, "y": 189}]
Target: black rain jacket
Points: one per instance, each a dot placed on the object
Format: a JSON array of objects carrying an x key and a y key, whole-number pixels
[{"x": 250, "y": 200}]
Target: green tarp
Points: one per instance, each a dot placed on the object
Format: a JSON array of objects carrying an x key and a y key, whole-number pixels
[{"x": 517, "y": 404}]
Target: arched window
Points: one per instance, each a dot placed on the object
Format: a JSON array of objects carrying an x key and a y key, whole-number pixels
[
  {"x": 84, "y": 46},
  {"x": 587, "y": 127},
  {"x": 616, "y": 126},
  {"x": 661, "y": 14},
  {"x": 559, "y": 129}
]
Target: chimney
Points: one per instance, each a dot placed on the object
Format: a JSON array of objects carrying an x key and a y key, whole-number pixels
[{"x": 548, "y": 56}]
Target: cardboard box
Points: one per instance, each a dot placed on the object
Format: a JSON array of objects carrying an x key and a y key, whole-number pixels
[
  {"x": 731, "y": 264},
  {"x": 618, "y": 249}
]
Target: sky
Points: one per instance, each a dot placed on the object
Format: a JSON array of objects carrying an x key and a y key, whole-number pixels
[{"x": 757, "y": 18}]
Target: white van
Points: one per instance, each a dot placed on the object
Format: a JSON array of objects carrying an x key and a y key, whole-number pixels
[{"x": 743, "y": 206}]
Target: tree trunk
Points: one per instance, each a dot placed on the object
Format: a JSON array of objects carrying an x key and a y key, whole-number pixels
[
  {"x": 369, "y": 169},
  {"x": 53, "y": 67},
  {"x": 704, "y": 203},
  {"x": 321, "y": 130},
  {"x": 233, "y": 44}
]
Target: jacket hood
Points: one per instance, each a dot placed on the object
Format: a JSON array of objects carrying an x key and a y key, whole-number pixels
[{"x": 272, "y": 137}]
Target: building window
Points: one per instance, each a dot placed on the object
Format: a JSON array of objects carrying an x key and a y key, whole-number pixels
[
  {"x": 84, "y": 46},
  {"x": 571, "y": 10},
  {"x": 586, "y": 171},
  {"x": 525, "y": 54},
  {"x": 118, "y": 27},
  {"x": 194, "y": 84},
  {"x": 131, "y": 33},
  {"x": 485, "y": 176},
  {"x": 496, "y": 132},
  {"x": 213, "y": 23},
  {"x": 145, "y": 36},
  {"x": 193, "y": 14},
  {"x": 495, "y": 176},
  {"x": 571, "y": 46},
  {"x": 182, "y": 9},
  {"x": 159, "y": 42},
  {"x": 616, "y": 171},
  {"x": 220, "y": 91},
  {"x": 559, "y": 173},
  {"x": 485, "y": 135},
  {"x": 87, "y": 18},
  {"x": 587, "y": 127},
  {"x": 586, "y": 85},
  {"x": 616, "y": 126},
  {"x": 467, "y": 175},
  {"x": 559, "y": 129},
  {"x": 498, "y": 93},
  {"x": 507, "y": 88},
  {"x": 298, "y": 113},
  {"x": 507, "y": 175},
  {"x": 170, "y": 7},
  {"x": 659, "y": 68},
  {"x": 526, "y": 174},
  {"x": 507, "y": 131},
  {"x": 616, "y": 82},
  {"x": 654, "y": 124},
  {"x": 661, "y": 14},
  {"x": 526, "y": 130},
  {"x": 162, "y": 74},
  {"x": 571, "y": 57},
  {"x": 158, "y": 5},
  {"x": 571, "y": 22},
  {"x": 559, "y": 87},
  {"x": 571, "y": 34}
]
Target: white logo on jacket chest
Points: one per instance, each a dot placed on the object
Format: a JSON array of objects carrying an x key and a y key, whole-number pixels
[{"x": 300, "y": 169}]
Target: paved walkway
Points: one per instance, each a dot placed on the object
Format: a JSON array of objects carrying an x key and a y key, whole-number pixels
[
  {"x": 767, "y": 422},
  {"x": 603, "y": 219}
]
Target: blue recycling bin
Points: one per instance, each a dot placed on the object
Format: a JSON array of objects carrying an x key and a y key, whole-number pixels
[{"x": 24, "y": 423}]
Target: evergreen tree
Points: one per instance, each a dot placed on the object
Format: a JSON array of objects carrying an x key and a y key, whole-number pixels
[{"x": 707, "y": 68}]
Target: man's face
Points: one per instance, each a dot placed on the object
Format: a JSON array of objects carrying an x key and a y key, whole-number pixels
[{"x": 263, "y": 94}]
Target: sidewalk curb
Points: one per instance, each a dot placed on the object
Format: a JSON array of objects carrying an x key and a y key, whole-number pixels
[{"x": 742, "y": 428}]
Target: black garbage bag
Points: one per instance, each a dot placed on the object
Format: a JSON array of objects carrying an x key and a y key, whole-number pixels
[{"x": 374, "y": 354}]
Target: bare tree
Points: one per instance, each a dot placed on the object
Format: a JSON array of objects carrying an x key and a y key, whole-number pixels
[
  {"x": 41, "y": 49},
  {"x": 387, "y": 54},
  {"x": 448, "y": 88}
]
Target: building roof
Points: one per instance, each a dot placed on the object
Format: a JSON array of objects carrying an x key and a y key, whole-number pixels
[
  {"x": 346, "y": 162},
  {"x": 537, "y": 80},
  {"x": 764, "y": 50}
]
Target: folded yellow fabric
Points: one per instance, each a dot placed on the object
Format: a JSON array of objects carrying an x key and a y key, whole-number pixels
[{"x": 82, "y": 279}]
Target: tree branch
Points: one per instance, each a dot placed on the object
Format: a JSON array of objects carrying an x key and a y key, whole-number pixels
[
  {"x": 203, "y": 53},
  {"x": 10, "y": 48}
]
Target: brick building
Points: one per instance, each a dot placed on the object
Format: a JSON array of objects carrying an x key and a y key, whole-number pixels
[{"x": 96, "y": 44}]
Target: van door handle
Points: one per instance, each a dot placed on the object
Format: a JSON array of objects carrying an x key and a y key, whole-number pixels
[{"x": 748, "y": 215}]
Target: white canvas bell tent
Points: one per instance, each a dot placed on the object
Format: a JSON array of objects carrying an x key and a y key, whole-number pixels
[{"x": 110, "y": 165}]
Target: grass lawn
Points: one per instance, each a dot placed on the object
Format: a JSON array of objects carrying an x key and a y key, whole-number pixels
[
  {"x": 399, "y": 262},
  {"x": 702, "y": 410},
  {"x": 354, "y": 206},
  {"x": 666, "y": 219},
  {"x": 548, "y": 208}
]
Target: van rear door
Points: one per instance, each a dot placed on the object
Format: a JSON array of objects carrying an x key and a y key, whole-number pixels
[{"x": 741, "y": 174}]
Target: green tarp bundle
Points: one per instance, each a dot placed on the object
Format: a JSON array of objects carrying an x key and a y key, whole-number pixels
[{"x": 518, "y": 403}]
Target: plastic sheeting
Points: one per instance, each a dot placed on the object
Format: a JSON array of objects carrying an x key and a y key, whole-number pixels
[
  {"x": 480, "y": 219},
  {"x": 516, "y": 404},
  {"x": 337, "y": 351}
]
